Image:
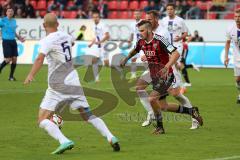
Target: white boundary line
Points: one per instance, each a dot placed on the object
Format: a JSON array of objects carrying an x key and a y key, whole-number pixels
[{"x": 225, "y": 158}]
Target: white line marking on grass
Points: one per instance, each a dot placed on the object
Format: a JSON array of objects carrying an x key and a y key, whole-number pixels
[{"x": 225, "y": 158}]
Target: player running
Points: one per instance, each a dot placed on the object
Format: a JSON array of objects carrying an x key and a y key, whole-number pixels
[
  {"x": 101, "y": 35},
  {"x": 157, "y": 49},
  {"x": 57, "y": 47},
  {"x": 233, "y": 35}
]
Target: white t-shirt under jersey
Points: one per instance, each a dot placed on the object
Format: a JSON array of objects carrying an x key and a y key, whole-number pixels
[
  {"x": 57, "y": 47},
  {"x": 175, "y": 28},
  {"x": 233, "y": 34}
]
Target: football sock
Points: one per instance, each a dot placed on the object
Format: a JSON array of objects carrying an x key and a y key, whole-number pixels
[
  {"x": 133, "y": 69},
  {"x": 185, "y": 75},
  {"x": 13, "y": 67},
  {"x": 143, "y": 95},
  {"x": 101, "y": 127},
  {"x": 95, "y": 72},
  {"x": 158, "y": 118},
  {"x": 53, "y": 130},
  {"x": 183, "y": 100},
  {"x": 184, "y": 110},
  {"x": 4, "y": 63}
]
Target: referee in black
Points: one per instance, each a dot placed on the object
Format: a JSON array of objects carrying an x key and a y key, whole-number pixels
[{"x": 8, "y": 27}]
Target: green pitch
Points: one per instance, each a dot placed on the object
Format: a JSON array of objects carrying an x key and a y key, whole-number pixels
[{"x": 213, "y": 91}]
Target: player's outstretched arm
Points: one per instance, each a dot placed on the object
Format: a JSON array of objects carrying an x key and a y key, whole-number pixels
[
  {"x": 227, "y": 46},
  {"x": 173, "y": 59},
  {"x": 132, "y": 53},
  {"x": 35, "y": 68}
]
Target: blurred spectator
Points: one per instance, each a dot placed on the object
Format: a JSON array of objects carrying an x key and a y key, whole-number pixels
[
  {"x": 80, "y": 34},
  {"x": 78, "y": 4},
  {"x": 162, "y": 9},
  {"x": 28, "y": 10},
  {"x": 178, "y": 8},
  {"x": 81, "y": 14},
  {"x": 19, "y": 13},
  {"x": 196, "y": 37},
  {"x": 7, "y": 3},
  {"x": 194, "y": 12},
  {"x": 185, "y": 8},
  {"x": 58, "y": 4},
  {"x": 37, "y": 14},
  {"x": 151, "y": 6},
  {"x": 103, "y": 9},
  {"x": 19, "y": 3}
]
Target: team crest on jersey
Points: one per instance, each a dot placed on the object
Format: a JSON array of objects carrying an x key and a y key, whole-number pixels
[{"x": 155, "y": 45}]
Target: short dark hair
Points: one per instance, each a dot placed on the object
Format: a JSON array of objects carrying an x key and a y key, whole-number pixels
[
  {"x": 237, "y": 11},
  {"x": 96, "y": 12},
  {"x": 172, "y": 5},
  {"x": 144, "y": 22},
  {"x": 155, "y": 13}
]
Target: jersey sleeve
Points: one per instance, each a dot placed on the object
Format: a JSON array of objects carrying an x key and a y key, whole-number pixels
[
  {"x": 105, "y": 28},
  {"x": 169, "y": 48},
  {"x": 43, "y": 47},
  {"x": 184, "y": 27},
  {"x": 228, "y": 35},
  {"x": 137, "y": 46}
]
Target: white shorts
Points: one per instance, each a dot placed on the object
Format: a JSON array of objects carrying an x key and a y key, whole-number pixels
[
  {"x": 52, "y": 99},
  {"x": 180, "y": 51},
  {"x": 236, "y": 71},
  {"x": 178, "y": 78},
  {"x": 98, "y": 52}
]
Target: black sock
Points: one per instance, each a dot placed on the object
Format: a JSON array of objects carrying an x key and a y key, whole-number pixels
[
  {"x": 185, "y": 75},
  {"x": 13, "y": 67},
  {"x": 159, "y": 120},
  {"x": 188, "y": 66},
  {"x": 4, "y": 63},
  {"x": 184, "y": 110}
]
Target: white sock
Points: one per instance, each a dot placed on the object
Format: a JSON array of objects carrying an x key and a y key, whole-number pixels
[
  {"x": 143, "y": 95},
  {"x": 101, "y": 127},
  {"x": 53, "y": 130},
  {"x": 184, "y": 100},
  {"x": 95, "y": 72},
  {"x": 133, "y": 69}
]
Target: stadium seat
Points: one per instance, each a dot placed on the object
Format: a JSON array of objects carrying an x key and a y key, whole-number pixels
[
  {"x": 123, "y": 5},
  {"x": 73, "y": 14},
  {"x": 42, "y": 13},
  {"x": 112, "y": 5},
  {"x": 70, "y": 4},
  {"x": 143, "y": 15},
  {"x": 113, "y": 15},
  {"x": 42, "y": 5},
  {"x": 50, "y": 2},
  {"x": 143, "y": 4},
  {"x": 65, "y": 14},
  {"x": 133, "y": 5},
  {"x": 34, "y": 4},
  {"x": 212, "y": 16},
  {"x": 229, "y": 16},
  {"x": 124, "y": 15}
]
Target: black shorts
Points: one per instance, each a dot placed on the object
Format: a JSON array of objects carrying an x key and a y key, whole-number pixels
[
  {"x": 9, "y": 48},
  {"x": 161, "y": 86}
]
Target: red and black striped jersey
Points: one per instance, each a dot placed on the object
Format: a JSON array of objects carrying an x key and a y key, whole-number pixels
[{"x": 157, "y": 52}]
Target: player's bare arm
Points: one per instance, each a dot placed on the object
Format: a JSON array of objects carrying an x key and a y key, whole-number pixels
[
  {"x": 173, "y": 59},
  {"x": 105, "y": 38},
  {"x": 179, "y": 38},
  {"x": 132, "y": 53},
  {"x": 35, "y": 68},
  {"x": 21, "y": 39},
  {"x": 227, "y": 46}
]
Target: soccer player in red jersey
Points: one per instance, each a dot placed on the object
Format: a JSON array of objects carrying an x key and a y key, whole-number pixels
[{"x": 161, "y": 56}]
